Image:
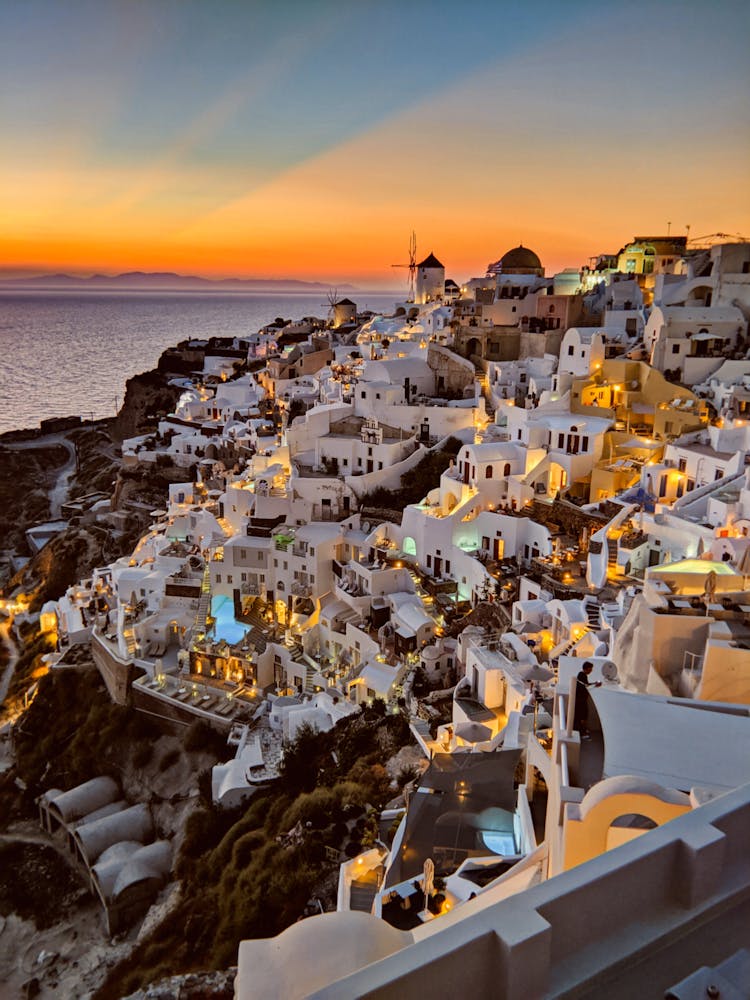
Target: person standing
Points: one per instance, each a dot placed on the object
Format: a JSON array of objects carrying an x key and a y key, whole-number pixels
[{"x": 581, "y": 711}]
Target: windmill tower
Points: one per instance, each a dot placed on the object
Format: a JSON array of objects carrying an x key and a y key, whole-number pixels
[
  {"x": 332, "y": 298},
  {"x": 412, "y": 265}
]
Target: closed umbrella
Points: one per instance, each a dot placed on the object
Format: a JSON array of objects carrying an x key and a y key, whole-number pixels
[
  {"x": 428, "y": 880},
  {"x": 710, "y": 588}
]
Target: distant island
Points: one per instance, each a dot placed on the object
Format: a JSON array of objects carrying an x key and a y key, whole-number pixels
[{"x": 163, "y": 281}]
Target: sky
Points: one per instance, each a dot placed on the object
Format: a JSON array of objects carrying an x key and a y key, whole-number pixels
[{"x": 308, "y": 138}]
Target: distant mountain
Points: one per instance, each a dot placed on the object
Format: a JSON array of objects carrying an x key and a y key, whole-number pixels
[{"x": 167, "y": 281}]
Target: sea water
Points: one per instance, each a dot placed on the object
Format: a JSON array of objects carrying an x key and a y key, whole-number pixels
[{"x": 65, "y": 353}]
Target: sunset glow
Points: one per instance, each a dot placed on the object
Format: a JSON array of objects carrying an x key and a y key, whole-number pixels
[{"x": 307, "y": 140}]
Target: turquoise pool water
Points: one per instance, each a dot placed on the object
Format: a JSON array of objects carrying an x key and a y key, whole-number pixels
[{"x": 226, "y": 627}]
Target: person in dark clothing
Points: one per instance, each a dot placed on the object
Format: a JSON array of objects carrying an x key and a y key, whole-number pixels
[{"x": 581, "y": 711}]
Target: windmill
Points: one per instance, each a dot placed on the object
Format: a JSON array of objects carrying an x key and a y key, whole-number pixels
[
  {"x": 333, "y": 297},
  {"x": 412, "y": 265}
]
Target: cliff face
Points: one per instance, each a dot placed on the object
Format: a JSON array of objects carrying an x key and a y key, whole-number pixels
[
  {"x": 29, "y": 471},
  {"x": 147, "y": 398}
]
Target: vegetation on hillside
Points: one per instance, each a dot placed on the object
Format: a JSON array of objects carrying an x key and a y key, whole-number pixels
[
  {"x": 417, "y": 482},
  {"x": 252, "y": 873}
]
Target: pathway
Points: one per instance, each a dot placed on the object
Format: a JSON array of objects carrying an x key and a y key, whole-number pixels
[{"x": 58, "y": 494}]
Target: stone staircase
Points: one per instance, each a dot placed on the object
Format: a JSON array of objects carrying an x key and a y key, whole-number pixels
[
  {"x": 484, "y": 386},
  {"x": 310, "y": 672},
  {"x": 202, "y": 612},
  {"x": 130, "y": 642},
  {"x": 593, "y": 613},
  {"x": 563, "y": 648},
  {"x": 612, "y": 554},
  {"x": 363, "y": 891}
]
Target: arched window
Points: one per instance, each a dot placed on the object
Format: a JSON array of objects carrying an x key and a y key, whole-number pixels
[
  {"x": 506, "y": 469},
  {"x": 488, "y": 472}
]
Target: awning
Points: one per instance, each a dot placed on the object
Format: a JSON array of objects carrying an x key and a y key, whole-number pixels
[
  {"x": 707, "y": 336},
  {"x": 678, "y": 744}
]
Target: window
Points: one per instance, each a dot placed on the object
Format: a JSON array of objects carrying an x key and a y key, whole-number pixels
[
  {"x": 218, "y": 577},
  {"x": 571, "y": 350},
  {"x": 682, "y": 464},
  {"x": 364, "y": 394},
  {"x": 429, "y": 562},
  {"x": 447, "y": 565},
  {"x": 229, "y": 578},
  {"x": 585, "y": 442},
  {"x": 719, "y": 474},
  {"x": 488, "y": 472},
  {"x": 377, "y": 395},
  {"x": 560, "y": 440},
  {"x": 243, "y": 577},
  {"x": 675, "y": 348}
]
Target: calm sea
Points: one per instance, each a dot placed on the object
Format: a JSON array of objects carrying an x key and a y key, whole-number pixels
[{"x": 71, "y": 353}]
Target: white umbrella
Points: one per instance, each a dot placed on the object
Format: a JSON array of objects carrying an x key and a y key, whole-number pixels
[{"x": 537, "y": 673}]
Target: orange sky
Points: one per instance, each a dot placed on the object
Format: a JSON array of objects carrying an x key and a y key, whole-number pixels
[{"x": 570, "y": 144}]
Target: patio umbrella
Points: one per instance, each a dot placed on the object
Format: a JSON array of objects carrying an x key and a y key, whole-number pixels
[
  {"x": 473, "y": 732},
  {"x": 537, "y": 673}
]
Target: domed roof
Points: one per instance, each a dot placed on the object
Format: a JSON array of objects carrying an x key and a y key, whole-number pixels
[
  {"x": 519, "y": 260},
  {"x": 519, "y": 256}
]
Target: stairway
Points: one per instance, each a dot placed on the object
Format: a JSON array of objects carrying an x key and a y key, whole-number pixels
[
  {"x": 593, "y": 614},
  {"x": 202, "y": 613},
  {"x": 612, "y": 554},
  {"x": 310, "y": 672},
  {"x": 130, "y": 643},
  {"x": 484, "y": 386},
  {"x": 565, "y": 647},
  {"x": 363, "y": 892}
]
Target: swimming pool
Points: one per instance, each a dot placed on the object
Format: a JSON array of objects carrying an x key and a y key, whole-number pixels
[{"x": 226, "y": 627}]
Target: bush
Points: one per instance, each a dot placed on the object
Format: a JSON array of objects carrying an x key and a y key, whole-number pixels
[
  {"x": 202, "y": 738},
  {"x": 169, "y": 759},
  {"x": 142, "y": 755}
]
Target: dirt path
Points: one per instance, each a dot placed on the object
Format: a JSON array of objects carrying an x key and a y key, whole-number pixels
[{"x": 58, "y": 494}]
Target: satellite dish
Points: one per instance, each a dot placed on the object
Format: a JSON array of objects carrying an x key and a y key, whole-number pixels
[{"x": 609, "y": 671}]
